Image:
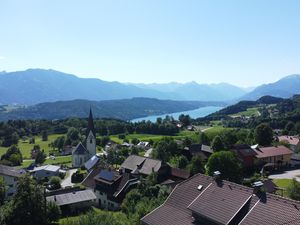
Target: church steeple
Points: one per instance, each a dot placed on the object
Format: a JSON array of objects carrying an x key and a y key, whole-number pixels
[
  {"x": 91, "y": 136},
  {"x": 91, "y": 124}
]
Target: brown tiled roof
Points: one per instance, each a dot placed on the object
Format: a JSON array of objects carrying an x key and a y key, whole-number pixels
[
  {"x": 274, "y": 210},
  {"x": 220, "y": 203},
  {"x": 244, "y": 150},
  {"x": 225, "y": 203},
  {"x": 292, "y": 140},
  {"x": 272, "y": 151},
  {"x": 184, "y": 174}
]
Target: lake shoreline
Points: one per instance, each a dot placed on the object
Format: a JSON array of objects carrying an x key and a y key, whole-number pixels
[{"x": 195, "y": 113}]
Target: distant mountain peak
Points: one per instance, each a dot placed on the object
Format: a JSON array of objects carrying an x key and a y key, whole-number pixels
[{"x": 292, "y": 76}]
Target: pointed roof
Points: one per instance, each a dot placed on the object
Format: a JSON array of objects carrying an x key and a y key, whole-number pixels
[
  {"x": 80, "y": 150},
  {"x": 91, "y": 124}
]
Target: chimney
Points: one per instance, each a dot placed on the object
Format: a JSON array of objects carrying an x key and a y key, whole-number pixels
[
  {"x": 257, "y": 187},
  {"x": 217, "y": 175}
]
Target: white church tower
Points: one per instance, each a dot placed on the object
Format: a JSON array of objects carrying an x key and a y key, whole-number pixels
[{"x": 91, "y": 136}]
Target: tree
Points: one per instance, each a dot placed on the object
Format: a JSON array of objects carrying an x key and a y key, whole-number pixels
[
  {"x": 40, "y": 157},
  {"x": 44, "y": 135},
  {"x": 185, "y": 119},
  {"x": 204, "y": 139},
  {"x": 55, "y": 182},
  {"x": 2, "y": 190},
  {"x": 13, "y": 155},
  {"x": 293, "y": 190},
  {"x": 28, "y": 204},
  {"x": 225, "y": 162},
  {"x": 59, "y": 142},
  {"x": 217, "y": 143},
  {"x": 53, "y": 212},
  {"x": 135, "y": 141},
  {"x": 290, "y": 126},
  {"x": 165, "y": 149},
  {"x": 196, "y": 165},
  {"x": 179, "y": 161},
  {"x": 263, "y": 134},
  {"x": 187, "y": 141}
]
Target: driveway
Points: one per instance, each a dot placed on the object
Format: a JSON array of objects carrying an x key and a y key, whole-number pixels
[
  {"x": 67, "y": 181},
  {"x": 287, "y": 175}
]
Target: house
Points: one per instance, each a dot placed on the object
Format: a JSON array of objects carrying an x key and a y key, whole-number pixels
[
  {"x": 204, "y": 151},
  {"x": 174, "y": 176},
  {"x": 141, "y": 165},
  {"x": 109, "y": 186},
  {"x": 45, "y": 171},
  {"x": 293, "y": 141},
  {"x": 10, "y": 176},
  {"x": 246, "y": 154},
  {"x": 81, "y": 154},
  {"x": 208, "y": 200},
  {"x": 144, "y": 145},
  {"x": 277, "y": 155},
  {"x": 74, "y": 201},
  {"x": 67, "y": 150}
]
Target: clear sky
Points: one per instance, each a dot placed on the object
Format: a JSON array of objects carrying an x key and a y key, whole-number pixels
[{"x": 243, "y": 42}]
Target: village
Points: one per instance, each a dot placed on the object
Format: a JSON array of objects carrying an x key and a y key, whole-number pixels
[{"x": 96, "y": 180}]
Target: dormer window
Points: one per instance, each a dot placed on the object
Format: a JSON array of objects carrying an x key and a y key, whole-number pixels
[{"x": 91, "y": 140}]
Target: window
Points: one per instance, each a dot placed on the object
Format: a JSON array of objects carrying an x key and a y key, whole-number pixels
[{"x": 91, "y": 140}]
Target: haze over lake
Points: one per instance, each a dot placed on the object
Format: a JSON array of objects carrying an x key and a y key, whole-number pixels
[{"x": 196, "y": 113}]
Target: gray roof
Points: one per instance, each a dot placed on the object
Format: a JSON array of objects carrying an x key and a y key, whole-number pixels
[
  {"x": 144, "y": 165},
  {"x": 10, "y": 171},
  {"x": 51, "y": 168},
  {"x": 72, "y": 197},
  {"x": 91, "y": 162},
  {"x": 80, "y": 150},
  {"x": 206, "y": 148}
]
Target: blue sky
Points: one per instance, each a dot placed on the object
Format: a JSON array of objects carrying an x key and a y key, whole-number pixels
[{"x": 245, "y": 42}]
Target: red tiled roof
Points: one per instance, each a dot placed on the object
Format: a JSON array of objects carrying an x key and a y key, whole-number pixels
[
  {"x": 292, "y": 140},
  {"x": 228, "y": 203},
  {"x": 272, "y": 151}
]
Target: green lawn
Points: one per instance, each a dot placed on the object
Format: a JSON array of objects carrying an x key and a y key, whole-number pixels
[
  {"x": 61, "y": 160},
  {"x": 249, "y": 112},
  {"x": 214, "y": 131},
  {"x": 282, "y": 183},
  {"x": 25, "y": 147},
  {"x": 155, "y": 138}
]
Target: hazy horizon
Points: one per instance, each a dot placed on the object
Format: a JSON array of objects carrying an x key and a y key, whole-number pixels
[{"x": 246, "y": 43}]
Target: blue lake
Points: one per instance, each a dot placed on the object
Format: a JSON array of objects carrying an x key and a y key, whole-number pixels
[{"x": 196, "y": 113}]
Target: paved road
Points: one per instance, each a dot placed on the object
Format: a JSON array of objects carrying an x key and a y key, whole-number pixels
[
  {"x": 67, "y": 181},
  {"x": 287, "y": 175}
]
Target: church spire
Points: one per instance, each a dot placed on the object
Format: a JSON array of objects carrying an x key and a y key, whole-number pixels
[{"x": 91, "y": 124}]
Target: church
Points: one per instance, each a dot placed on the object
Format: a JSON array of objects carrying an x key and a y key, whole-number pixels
[{"x": 81, "y": 154}]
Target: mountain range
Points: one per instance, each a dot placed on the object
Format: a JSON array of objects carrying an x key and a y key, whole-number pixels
[
  {"x": 35, "y": 86},
  {"x": 283, "y": 88},
  {"x": 38, "y": 85}
]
